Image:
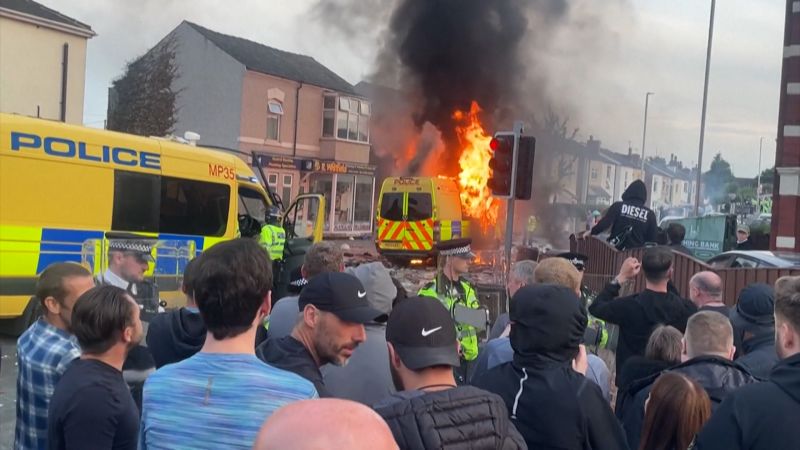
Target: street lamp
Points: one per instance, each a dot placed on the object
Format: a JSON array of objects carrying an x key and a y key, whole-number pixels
[
  {"x": 703, "y": 116},
  {"x": 758, "y": 184},
  {"x": 644, "y": 131}
]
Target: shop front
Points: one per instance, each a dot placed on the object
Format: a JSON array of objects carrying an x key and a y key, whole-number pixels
[{"x": 349, "y": 189}]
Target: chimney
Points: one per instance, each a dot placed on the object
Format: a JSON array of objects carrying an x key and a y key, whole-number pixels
[{"x": 592, "y": 144}]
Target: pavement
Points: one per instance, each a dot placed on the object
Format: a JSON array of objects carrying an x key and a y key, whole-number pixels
[{"x": 8, "y": 391}]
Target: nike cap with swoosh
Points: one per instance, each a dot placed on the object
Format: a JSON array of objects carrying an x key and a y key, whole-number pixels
[
  {"x": 341, "y": 294},
  {"x": 423, "y": 333}
]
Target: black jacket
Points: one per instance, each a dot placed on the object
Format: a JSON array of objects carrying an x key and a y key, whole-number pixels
[
  {"x": 746, "y": 245},
  {"x": 461, "y": 417},
  {"x": 759, "y": 355},
  {"x": 552, "y": 406},
  {"x": 718, "y": 376},
  {"x": 637, "y": 315},
  {"x": 636, "y": 368},
  {"x": 175, "y": 336},
  {"x": 289, "y": 354},
  {"x": 762, "y": 416},
  {"x": 630, "y": 212}
]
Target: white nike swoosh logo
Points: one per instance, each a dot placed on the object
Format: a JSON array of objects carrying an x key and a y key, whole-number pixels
[
  {"x": 426, "y": 333},
  {"x": 361, "y": 294}
]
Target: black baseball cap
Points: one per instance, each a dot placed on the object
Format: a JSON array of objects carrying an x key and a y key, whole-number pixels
[
  {"x": 423, "y": 333},
  {"x": 341, "y": 294},
  {"x": 578, "y": 260}
]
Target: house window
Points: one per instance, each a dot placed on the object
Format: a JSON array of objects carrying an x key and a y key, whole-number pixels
[
  {"x": 594, "y": 173},
  {"x": 286, "y": 191},
  {"x": 685, "y": 188},
  {"x": 608, "y": 171},
  {"x": 352, "y": 120},
  {"x": 274, "y": 113},
  {"x": 328, "y": 115}
]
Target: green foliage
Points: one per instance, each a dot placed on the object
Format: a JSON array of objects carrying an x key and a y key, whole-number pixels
[
  {"x": 718, "y": 178},
  {"x": 143, "y": 99}
]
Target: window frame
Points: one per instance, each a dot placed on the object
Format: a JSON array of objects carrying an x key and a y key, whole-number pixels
[{"x": 349, "y": 118}]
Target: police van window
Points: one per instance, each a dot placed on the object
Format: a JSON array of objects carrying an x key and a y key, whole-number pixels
[
  {"x": 392, "y": 206},
  {"x": 193, "y": 207},
  {"x": 252, "y": 203},
  {"x": 136, "y": 202},
  {"x": 419, "y": 206}
]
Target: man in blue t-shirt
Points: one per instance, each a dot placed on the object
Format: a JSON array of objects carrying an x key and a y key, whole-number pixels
[{"x": 219, "y": 397}]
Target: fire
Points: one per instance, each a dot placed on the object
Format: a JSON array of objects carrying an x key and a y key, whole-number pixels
[{"x": 476, "y": 197}]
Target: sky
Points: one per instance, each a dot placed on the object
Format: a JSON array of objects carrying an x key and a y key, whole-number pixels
[{"x": 656, "y": 46}]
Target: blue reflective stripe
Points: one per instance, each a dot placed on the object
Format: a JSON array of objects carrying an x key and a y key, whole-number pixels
[
  {"x": 455, "y": 225},
  {"x": 60, "y": 245},
  {"x": 167, "y": 264}
]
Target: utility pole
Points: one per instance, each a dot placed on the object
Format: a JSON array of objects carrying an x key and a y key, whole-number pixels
[
  {"x": 644, "y": 131},
  {"x": 758, "y": 184},
  {"x": 703, "y": 116}
]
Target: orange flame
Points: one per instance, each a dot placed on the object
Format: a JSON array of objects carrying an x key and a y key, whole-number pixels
[{"x": 476, "y": 197}]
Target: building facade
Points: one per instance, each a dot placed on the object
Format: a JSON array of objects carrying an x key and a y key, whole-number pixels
[
  {"x": 785, "y": 233},
  {"x": 305, "y": 127},
  {"x": 43, "y": 63}
]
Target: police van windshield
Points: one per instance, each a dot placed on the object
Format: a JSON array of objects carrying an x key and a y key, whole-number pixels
[
  {"x": 419, "y": 206},
  {"x": 252, "y": 203},
  {"x": 392, "y": 206}
]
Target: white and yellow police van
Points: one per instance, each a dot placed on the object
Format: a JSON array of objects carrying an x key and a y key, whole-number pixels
[
  {"x": 415, "y": 214},
  {"x": 63, "y": 186}
]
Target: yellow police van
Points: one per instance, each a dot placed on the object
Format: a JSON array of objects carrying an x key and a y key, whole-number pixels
[
  {"x": 63, "y": 186},
  {"x": 416, "y": 213}
]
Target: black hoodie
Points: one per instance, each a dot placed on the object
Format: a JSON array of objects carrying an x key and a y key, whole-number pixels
[
  {"x": 175, "y": 336},
  {"x": 630, "y": 212},
  {"x": 552, "y": 406},
  {"x": 637, "y": 315},
  {"x": 761, "y": 416}
]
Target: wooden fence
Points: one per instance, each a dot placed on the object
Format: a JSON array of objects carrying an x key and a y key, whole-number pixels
[{"x": 605, "y": 261}]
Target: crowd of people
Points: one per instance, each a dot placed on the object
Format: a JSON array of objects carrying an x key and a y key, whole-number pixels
[{"x": 350, "y": 360}]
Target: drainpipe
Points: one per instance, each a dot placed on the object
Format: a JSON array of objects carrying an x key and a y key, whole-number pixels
[
  {"x": 64, "y": 67},
  {"x": 296, "y": 114}
]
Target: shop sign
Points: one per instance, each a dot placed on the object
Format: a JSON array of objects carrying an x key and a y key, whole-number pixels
[
  {"x": 278, "y": 162},
  {"x": 341, "y": 168}
]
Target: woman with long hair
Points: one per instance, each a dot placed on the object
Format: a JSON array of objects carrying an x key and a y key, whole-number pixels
[{"x": 675, "y": 411}]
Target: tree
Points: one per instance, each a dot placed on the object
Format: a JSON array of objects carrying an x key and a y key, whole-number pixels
[
  {"x": 767, "y": 176},
  {"x": 143, "y": 98},
  {"x": 718, "y": 177}
]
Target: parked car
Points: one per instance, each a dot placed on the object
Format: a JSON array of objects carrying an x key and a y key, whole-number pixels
[{"x": 753, "y": 259}]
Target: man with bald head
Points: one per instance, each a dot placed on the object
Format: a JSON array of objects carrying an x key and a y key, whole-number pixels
[
  {"x": 337, "y": 424},
  {"x": 705, "y": 291}
]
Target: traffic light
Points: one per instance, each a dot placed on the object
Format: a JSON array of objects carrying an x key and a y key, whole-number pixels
[
  {"x": 525, "y": 153},
  {"x": 502, "y": 164}
]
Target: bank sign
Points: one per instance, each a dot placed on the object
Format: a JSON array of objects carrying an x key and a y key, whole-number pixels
[{"x": 706, "y": 236}]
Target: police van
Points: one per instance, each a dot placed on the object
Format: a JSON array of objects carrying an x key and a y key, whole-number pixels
[
  {"x": 416, "y": 213},
  {"x": 64, "y": 187}
]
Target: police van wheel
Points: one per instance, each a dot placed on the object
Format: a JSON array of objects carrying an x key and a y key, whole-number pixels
[{"x": 15, "y": 327}]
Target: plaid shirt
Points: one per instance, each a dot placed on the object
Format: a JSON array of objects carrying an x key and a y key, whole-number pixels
[{"x": 43, "y": 354}]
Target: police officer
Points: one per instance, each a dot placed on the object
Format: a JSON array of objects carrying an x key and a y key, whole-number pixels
[
  {"x": 451, "y": 288},
  {"x": 632, "y": 223},
  {"x": 129, "y": 258},
  {"x": 273, "y": 236},
  {"x": 530, "y": 228},
  {"x": 596, "y": 334}
]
